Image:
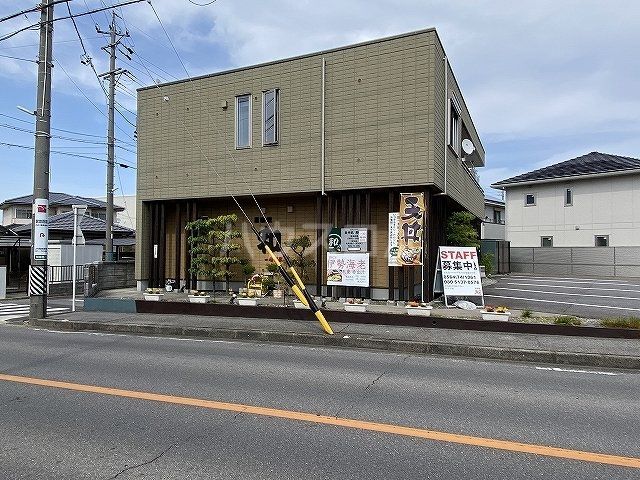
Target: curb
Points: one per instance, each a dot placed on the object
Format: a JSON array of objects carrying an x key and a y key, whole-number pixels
[{"x": 389, "y": 345}]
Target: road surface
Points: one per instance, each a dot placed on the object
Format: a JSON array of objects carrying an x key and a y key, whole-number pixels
[{"x": 255, "y": 411}]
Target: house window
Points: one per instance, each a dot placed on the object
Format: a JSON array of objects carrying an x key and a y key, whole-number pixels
[
  {"x": 270, "y": 127},
  {"x": 529, "y": 199},
  {"x": 23, "y": 213},
  {"x": 568, "y": 197},
  {"x": 100, "y": 215},
  {"x": 497, "y": 216},
  {"x": 243, "y": 121},
  {"x": 546, "y": 241},
  {"x": 455, "y": 127},
  {"x": 602, "y": 240}
]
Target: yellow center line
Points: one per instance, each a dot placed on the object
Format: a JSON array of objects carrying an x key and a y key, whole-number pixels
[{"x": 341, "y": 422}]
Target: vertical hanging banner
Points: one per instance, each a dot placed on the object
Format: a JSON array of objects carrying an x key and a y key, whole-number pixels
[
  {"x": 411, "y": 228},
  {"x": 394, "y": 219},
  {"x": 40, "y": 228}
]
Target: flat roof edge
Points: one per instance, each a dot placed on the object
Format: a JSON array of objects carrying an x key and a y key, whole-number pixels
[{"x": 296, "y": 57}]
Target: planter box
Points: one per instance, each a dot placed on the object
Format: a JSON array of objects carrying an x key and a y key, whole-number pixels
[
  {"x": 500, "y": 317},
  {"x": 199, "y": 298},
  {"x": 419, "y": 311},
  {"x": 278, "y": 293},
  {"x": 299, "y": 304},
  {"x": 252, "y": 302},
  {"x": 153, "y": 297},
  {"x": 355, "y": 307}
]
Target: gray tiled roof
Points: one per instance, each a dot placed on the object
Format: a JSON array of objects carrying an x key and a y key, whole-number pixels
[
  {"x": 64, "y": 222},
  {"x": 5, "y": 232},
  {"x": 590, "y": 164},
  {"x": 60, "y": 199}
]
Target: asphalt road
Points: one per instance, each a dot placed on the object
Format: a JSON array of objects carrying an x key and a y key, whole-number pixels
[
  {"x": 583, "y": 297},
  {"x": 56, "y": 433}
]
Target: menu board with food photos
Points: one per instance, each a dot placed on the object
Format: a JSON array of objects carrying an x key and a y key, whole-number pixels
[{"x": 348, "y": 269}]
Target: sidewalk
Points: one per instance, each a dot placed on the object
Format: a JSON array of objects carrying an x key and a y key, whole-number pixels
[{"x": 554, "y": 349}]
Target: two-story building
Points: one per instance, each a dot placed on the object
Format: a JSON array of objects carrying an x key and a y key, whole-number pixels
[
  {"x": 328, "y": 139},
  {"x": 580, "y": 216},
  {"x": 17, "y": 211}
]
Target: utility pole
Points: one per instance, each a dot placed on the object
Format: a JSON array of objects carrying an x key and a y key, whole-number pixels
[
  {"x": 40, "y": 212},
  {"x": 115, "y": 37}
]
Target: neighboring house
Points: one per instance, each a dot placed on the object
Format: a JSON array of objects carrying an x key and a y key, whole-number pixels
[
  {"x": 328, "y": 139},
  {"x": 127, "y": 215},
  {"x": 589, "y": 201},
  {"x": 493, "y": 222},
  {"x": 17, "y": 211}
]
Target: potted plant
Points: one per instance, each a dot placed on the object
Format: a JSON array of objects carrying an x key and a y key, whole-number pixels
[
  {"x": 198, "y": 297},
  {"x": 420, "y": 309},
  {"x": 250, "y": 295},
  {"x": 500, "y": 314},
  {"x": 355, "y": 305},
  {"x": 153, "y": 294}
]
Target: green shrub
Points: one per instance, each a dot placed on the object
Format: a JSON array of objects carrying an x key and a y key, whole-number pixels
[
  {"x": 486, "y": 260},
  {"x": 526, "y": 313},
  {"x": 567, "y": 320},
  {"x": 621, "y": 322}
]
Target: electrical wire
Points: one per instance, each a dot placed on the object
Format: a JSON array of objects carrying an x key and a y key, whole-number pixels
[
  {"x": 77, "y": 155},
  {"x": 203, "y": 4},
  {"x": 18, "y": 58},
  {"x": 168, "y": 37}
]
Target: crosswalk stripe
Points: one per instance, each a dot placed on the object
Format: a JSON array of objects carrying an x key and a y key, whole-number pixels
[{"x": 11, "y": 311}]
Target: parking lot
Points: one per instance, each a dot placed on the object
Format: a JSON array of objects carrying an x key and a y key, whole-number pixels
[{"x": 583, "y": 297}]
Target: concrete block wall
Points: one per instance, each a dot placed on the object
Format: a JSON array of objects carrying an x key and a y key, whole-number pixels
[{"x": 108, "y": 276}]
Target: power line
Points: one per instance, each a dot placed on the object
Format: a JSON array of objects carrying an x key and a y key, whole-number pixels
[
  {"x": 168, "y": 38},
  {"x": 30, "y": 10},
  {"x": 9, "y": 35},
  {"x": 7, "y": 47},
  {"x": 77, "y": 155},
  {"x": 18, "y": 58}
]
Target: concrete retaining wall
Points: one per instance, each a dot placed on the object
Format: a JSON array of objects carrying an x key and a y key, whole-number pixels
[
  {"x": 108, "y": 275},
  {"x": 577, "y": 261}
]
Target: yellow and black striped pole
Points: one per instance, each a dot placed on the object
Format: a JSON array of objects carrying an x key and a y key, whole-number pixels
[{"x": 299, "y": 289}]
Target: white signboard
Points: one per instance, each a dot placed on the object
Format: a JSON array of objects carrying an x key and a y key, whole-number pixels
[
  {"x": 354, "y": 239},
  {"x": 348, "y": 269},
  {"x": 394, "y": 230},
  {"x": 41, "y": 228},
  {"x": 460, "y": 271}
]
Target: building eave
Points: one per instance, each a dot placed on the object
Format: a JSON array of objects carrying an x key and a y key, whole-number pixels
[{"x": 503, "y": 186}]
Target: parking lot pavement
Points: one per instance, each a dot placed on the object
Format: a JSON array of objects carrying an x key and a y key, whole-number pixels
[{"x": 583, "y": 297}]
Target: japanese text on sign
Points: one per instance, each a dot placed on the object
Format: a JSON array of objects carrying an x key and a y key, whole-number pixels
[
  {"x": 411, "y": 228},
  {"x": 460, "y": 271},
  {"x": 348, "y": 269}
]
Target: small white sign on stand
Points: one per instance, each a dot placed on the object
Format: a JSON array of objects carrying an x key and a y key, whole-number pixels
[{"x": 458, "y": 273}]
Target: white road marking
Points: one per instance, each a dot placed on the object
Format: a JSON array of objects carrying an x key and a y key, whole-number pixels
[
  {"x": 12, "y": 311},
  {"x": 573, "y": 280},
  {"x": 566, "y": 293},
  {"x": 564, "y": 303},
  {"x": 563, "y": 286},
  {"x": 594, "y": 372}
]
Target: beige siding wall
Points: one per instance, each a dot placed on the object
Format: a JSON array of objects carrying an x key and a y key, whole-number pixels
[
  {"x": 379, "y": 125},
  {"x": 460, "y": 184}
]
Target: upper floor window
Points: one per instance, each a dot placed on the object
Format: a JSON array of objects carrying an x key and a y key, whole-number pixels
[
  {"x": 455, "y": 125},
  {"x": 546, "y": 241},
  {"x": 602, "y": 240},
  {"x": 529, "y": 199},
  {"x": 243, "y": 121},
  {"x": 23, "y": 213},
  {"x": 100, "y": 215},
  {"x": 270, "y": 127},
  {"x": 497, "y": 216},
  {"x": 568, "y": 197}
]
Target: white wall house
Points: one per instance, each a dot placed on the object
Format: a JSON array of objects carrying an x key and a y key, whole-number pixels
[
  {"x": 127, "y": 215},
  {"x": 579, "y": 217},
  {"x": 590, "y": 201},
  {"x": 493, "y": 223}
]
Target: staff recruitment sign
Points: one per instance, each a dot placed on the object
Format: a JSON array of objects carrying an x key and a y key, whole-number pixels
[{"x": 460, "y": 272}]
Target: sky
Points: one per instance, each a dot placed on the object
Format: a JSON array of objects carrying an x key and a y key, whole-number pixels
[{"x": 544, "y": 81}]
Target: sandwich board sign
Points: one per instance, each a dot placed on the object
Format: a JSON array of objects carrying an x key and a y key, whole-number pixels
[{"x": 458, "y": 273}]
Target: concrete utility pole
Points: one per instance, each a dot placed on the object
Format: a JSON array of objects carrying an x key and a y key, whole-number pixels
[
  {"x": 114, "y": 39},
  {"x": 40, "y": 216}
]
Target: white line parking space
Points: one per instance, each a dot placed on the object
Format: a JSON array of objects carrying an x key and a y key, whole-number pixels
[{"x": 583, "y": 297}]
